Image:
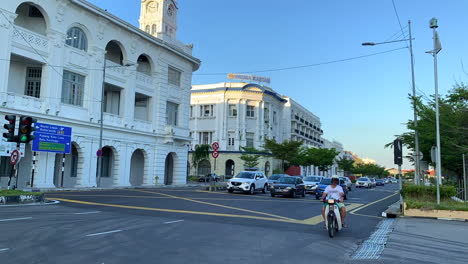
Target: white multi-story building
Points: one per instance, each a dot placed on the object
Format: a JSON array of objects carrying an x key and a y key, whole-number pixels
[
  {"x": 235, "y": 115},
  {"x": 242, "y": 115},
  {"x": 52, "y": 56}
]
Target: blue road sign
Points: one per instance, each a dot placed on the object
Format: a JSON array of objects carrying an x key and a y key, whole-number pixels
[{"x": 52, "y": 138}]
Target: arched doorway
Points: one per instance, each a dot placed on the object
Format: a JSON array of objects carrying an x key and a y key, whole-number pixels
[
  {"x": 169, "y": 170},
  {"x": 230, "y": 166},
  {"x": 267, "y": 168},
  {"x": 137, "y": 168},
  {"x": 204, "y": 168},
  {"x": 106, "y": 179}
]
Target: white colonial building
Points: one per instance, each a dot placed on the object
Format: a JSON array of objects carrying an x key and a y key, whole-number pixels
[
  {"x": 242, "y": 115},
  {"x": 52, "y": 57}
]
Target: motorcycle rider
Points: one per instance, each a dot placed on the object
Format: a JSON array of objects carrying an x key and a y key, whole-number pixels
[{"x": 336, "y": 192}]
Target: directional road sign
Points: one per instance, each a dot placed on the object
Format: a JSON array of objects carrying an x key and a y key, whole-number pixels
[{"x": 52, "y": 138}]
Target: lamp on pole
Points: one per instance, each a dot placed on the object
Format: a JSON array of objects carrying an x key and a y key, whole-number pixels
[
  {"x": 417, "y": 155},
  {"x": 101, "y": 125},
  {"x": 437, "y": 48}
]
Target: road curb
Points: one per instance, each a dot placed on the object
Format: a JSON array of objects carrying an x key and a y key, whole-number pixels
[
  {"x": 46, "y": 202},
  {"x": 437, "y": 218},
  {"x": 393, "y": 211}
]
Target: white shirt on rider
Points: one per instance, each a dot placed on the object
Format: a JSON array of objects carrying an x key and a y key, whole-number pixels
[{"x": 333, "y": 193}]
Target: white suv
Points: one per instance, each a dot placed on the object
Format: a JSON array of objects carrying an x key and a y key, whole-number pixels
[{"x": 248, "y": 181}]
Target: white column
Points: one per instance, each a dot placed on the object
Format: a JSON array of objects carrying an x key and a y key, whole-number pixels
[
  {"x": 51, "y": 86},
  {"x": 45, "y": 170},
  {"x": 5, "y": 51},
  {"x": 128, "y": 100},
  {"x": 123, "y": 173},
  {"x": 148, "y": 179}
]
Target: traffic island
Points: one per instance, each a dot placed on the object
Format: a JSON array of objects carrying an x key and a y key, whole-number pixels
[
  {"x": 419, "y": 201},
  {"x": 12, "y": 197}
]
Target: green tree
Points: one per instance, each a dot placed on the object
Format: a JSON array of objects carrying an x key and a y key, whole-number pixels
[
  {"x": 288, "y": 151},
  {"x": 453, "y": 112},
  {"x": 323, "y": 158},
  {"x": 201, "y": 152},
  {"x": 250, "y": 157},
  {"x": 369, "y": 169},
  {"x": 345, "y": 164}
]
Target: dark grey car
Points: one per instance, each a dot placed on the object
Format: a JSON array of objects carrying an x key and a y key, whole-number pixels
[{"x": 288, "y": 186}]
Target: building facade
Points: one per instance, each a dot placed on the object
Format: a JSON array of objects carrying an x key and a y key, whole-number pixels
[
  {"x": 235, "y": 115},
  {"x": 53, "y": 57}
]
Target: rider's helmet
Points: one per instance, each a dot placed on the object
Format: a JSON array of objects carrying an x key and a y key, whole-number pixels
[{"x": 335, "y": 178}]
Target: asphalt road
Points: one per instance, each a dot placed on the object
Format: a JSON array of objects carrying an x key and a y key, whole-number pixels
[{"x": 184, "y": 226}]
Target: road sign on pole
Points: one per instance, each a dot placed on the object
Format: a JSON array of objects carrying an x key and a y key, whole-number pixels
[
  {"x": 215, "y": 154},
  {"x": 15, "y": 157},
  {"x": 52, "y": 138},
  {"x": 215, "y": 146}
]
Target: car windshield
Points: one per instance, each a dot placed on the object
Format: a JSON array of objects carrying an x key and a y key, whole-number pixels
[
  {"x": 326, "y": 181},
  {"x": 245, "y": 175},
  {"x": 287, "y": 180},
  {"x": 363, "y": 179},
  {"x": 312, "y": 179},
  {"x": 380, "y": 180},
  {"x": 275, "y": 177}
]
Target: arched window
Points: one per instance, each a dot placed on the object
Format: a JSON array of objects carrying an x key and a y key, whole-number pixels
[
  {"x": 77, "y": 39},
  {"x": 153, "y": 29},
  {"x": 147, "y": 29}
]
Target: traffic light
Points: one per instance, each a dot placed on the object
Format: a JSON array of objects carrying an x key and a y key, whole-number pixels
[
  {"x": 10, "y": 127},
  {"x": 25, "y": 129},
  {"x": 398, "y": 151}
]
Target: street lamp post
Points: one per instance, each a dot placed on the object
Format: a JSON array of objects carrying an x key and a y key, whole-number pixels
[
  {"x": 101, "y": 125},
  {"x": 437, "y": 48},
  {"x": 415, "y": 120}
]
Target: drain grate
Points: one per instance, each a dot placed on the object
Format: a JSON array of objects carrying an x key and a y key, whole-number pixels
[{"x": 373, "y": 247}]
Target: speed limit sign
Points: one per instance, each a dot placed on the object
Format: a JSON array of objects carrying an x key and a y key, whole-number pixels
[{"x": 15, "y": 157}]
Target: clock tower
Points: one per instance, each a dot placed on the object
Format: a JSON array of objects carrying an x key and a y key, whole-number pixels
[{"x": 159, "y": 18}]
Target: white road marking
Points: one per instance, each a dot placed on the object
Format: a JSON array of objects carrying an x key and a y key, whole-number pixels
[
  {"x": 4, "y": 249},
  {"x": 104, "y": 233},
  {"x": 92, "y": 212},
  {"x": 15, "y": 219},
  {"x": 172, "y": 222}
]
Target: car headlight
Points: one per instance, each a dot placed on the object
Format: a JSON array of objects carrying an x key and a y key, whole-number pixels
[
  {"x": 246, "y": 183},
  {"x": 288, "y": 188}
]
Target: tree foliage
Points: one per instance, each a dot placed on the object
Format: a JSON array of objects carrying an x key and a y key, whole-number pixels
[
  {"x": 250, "y": 157},
  {"x": 201, "y": 152},
  {"x": 369, "y": 169},
  {"x": 345, "y": 164},
  {"x": 453, "y": 112},
  {"x": 288, "y": 151}
]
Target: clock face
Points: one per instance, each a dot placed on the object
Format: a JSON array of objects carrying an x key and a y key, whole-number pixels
[
  {"x": 152, "y": 7},
  {"x": 170, "y": 10}
]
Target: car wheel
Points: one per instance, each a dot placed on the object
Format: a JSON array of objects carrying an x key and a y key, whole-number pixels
[
  {"x": 293, "y": 194},
  {"x": 252, "y": 189},
  {"x": 303, "y": 193},
  {"x": 264, "y": 190},
  {"x": 230, "y": 190},
  {"x": 272, "y": 194}
]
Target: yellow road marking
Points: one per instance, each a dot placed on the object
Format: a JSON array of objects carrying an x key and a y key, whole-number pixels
[
  {"x": 218, "y": 205},
  {"x": 184, "y": 211},
  {"x": 369, "y": 204},
  {"x": 112, "y": 195},
  {"x": 319, "y": 218}
]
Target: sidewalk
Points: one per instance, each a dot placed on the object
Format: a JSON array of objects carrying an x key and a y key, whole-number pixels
[{"x": 417, "y": 240}]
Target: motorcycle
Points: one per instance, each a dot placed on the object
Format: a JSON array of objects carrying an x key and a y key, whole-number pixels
[{"x": 332, "y": 212}]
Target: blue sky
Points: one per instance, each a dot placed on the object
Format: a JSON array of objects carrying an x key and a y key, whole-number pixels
[{"x": 362, "y": 103}]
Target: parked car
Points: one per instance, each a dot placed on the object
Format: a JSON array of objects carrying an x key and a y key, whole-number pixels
[
  {"x": 363, "y": 182},
  {"x": 209, "y": 177},
  {"x": 274, "y": 178},
  {"x": 311, "y": 183},
  {"x": 288, "y": 186},
  {"x": 393, "y": 180},
  {"x": 386, "y": 180},
  {"x": 380, "y": 182},
  {"x": 373, "y": 182},
  {"x": 348, "y": 182},
  {"x": 248, "y": 181},
  {"x": 324, "y": 183}
]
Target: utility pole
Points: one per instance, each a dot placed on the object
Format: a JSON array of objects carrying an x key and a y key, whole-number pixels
[
  {"x": 464, "y": 178},
  {"x": 417, "y": 177},
  {"x": 437, "y": 47}
]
